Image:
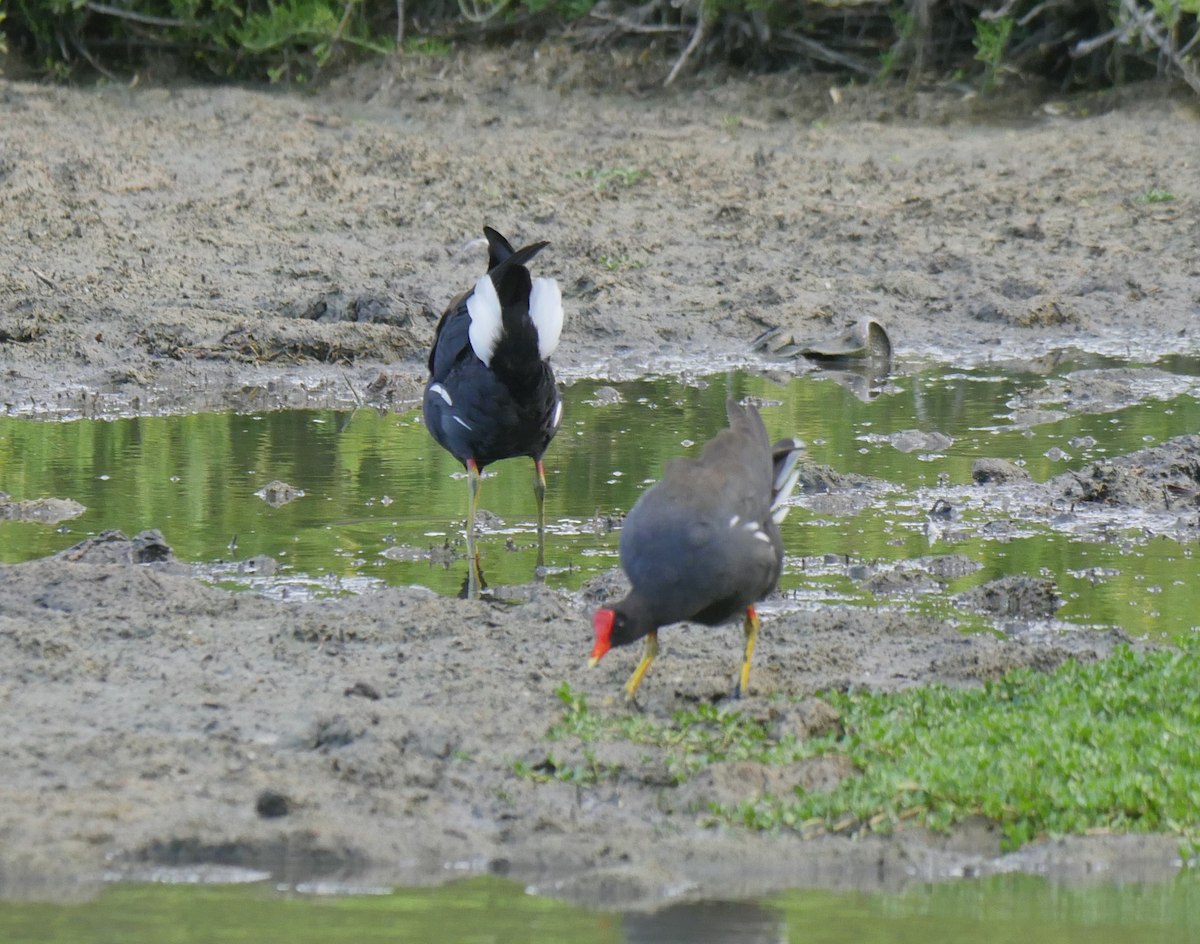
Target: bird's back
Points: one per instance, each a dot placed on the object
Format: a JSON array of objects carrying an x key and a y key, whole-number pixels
[
  {"x": 701, "y": 543},
  {"x": 491, "y": 393}
]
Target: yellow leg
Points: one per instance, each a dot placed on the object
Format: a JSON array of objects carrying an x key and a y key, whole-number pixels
[
  {"x": 539, "y": 490},
  {"x": 473, "y": 576},
  {"x": 647, "y": 657},
  {"x": 750, "y": 629}
]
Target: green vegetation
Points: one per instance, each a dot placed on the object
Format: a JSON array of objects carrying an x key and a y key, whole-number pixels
[
  {"x": 426, "y": 46},
  {"x": 1156, "y": 196},
  {"x": 990, "y": 40},
  {"x": 1076, "y": 43},
  {"x": 694, "y": 738},
  {"x": 1112, "y": 746}
]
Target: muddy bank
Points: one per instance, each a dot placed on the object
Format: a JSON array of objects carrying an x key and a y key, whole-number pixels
[
  {"x": 169, "y": 249},
  {"x": 156, "y": 721},
  {"x": 183, "y": 249}
]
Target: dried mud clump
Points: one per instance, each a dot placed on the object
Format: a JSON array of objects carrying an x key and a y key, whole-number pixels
[
  {"x": 809, "y": 718},
  {"x": 1161, "y": 478},
  {"x": 729, "y": 783},
  {"x": 114, "y": 547},
  {"x": 279, "y": 493},
  {"x": 997, "y": 472},
  {"x": 1017, "y": 597},
  {"x": 45, "y": 510},
  {"x": 819, "y": 479}
]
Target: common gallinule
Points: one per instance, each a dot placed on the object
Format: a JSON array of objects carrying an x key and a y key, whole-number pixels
[
  {"x": 703, "y": 544},
  {"x": 491, "y": 392}
]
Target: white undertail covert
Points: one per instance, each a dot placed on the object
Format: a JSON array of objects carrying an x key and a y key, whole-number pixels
[
  {"x": 486, "y": 322},
  {"x": 545, "y": 308}
]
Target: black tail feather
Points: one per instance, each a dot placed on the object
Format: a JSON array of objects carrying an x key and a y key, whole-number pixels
[
  {"x": 511, "y": 278},
  {"x": 499, "y": 248}
]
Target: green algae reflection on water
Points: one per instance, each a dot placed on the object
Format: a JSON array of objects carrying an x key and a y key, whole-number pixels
[
  {"x": 381, "y": 499},
  {"x": 1009, "y": 909}
]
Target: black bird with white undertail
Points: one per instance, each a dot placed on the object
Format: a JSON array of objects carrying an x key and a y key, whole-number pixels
[
  {"x": 703, "y": 544},
  {"x": 491, "y": 393}
]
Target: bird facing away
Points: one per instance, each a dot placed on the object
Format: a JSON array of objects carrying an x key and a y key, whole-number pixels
[
  {"x": 491, "y": 392},
  {"x": 703, "y": 544}
]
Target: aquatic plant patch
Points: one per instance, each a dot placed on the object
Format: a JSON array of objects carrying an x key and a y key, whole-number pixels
[{"x": 1112, "y": 746}]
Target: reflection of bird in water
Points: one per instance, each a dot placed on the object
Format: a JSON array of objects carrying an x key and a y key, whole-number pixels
[
  {"x": 491, "y": 392},
  {"x": 703, "y": 544},
  {"x": 711, "y": 922}
]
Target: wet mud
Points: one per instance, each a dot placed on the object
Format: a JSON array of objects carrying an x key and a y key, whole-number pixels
[
  {"x": 185, "y": 248},
  {"x": 177, "y": 249},
  {"x": 153, "y": 720}
]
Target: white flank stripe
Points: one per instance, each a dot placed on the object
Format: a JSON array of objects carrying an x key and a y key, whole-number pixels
[
  {"x": 762, "y": 536},
  {"x": 545, "y": 308},
  {"x": 441, "y": 392},
  {"x": 461, "y": 422},
  {"x": 557, "y": 414},
  {"x": 734, "y": 520},
  {"x": 486, "y": 324}
]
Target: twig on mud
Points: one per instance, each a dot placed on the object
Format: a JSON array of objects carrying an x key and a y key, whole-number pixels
[
  {"x": 44, "y": 278},
  {"x": 697, "y": 36},
  {"x": 1085, "y": 46},
  {"x": 341, "y": 27},
  {"x": 629, "y": 27},
  {"x": 1032, "y": 14},
  {"x": 988, "y": 15},
  {"x": 1145, "y": 22},
  {"x": 399, "y": 25},
  {"x": 634, "y": 21},
  {"x": 353, "y": 392},
  {"x": 135, "y": 17},
  {"x": 92, "y": 60},
  {"x": 814, "y": 50},
  {"x": 475, "y": 12}
]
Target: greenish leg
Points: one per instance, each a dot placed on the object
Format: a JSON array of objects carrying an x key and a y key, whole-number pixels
[
  {"x": 539, "y": 490},
  {"x": 647, "y": 657},
  {"x": 750, "y": 630},
  {"x": 473, "y": 578}
]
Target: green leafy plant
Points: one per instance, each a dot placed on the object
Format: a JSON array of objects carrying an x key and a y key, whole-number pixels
[
  {"x": 426, "y": 46},
  {"x": 903, "y": 23},
  {"x": 1113, "y": 746},
  {"x": 1156, "y": 196},
  {"x": 990, "y": 40},
  {"x": 566, "y": 9}
]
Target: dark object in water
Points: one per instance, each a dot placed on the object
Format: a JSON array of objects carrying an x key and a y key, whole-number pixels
[{"x": 864, "y": 340}]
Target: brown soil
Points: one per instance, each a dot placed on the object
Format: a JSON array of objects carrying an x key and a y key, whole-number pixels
[{"x": 166, "y": 249}]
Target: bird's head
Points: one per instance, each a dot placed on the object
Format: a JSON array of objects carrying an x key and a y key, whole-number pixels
[{"x": 620, "y": 624}]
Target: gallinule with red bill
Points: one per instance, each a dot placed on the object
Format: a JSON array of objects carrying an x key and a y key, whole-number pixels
[
  {"x": 491, "y": 392},
  {"x": 703, "y": 544}
]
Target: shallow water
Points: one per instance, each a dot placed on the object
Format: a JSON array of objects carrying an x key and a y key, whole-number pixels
[
  {"x": 1003, "y": 910},
  {"x": 381, "y": 498}
]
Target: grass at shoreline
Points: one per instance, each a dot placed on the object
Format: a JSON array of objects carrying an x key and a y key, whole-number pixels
[
  {"x": 1112, "y": 746},
  {"x": 1073, "y": 44}
]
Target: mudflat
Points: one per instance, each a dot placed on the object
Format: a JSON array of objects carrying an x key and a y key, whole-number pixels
[{"x": 200, "y": 248}]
